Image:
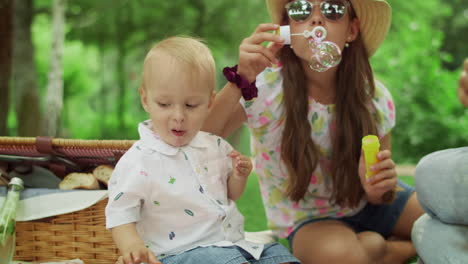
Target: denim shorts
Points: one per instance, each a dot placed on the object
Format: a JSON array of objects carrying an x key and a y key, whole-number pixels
[
  {"x": 380, "y": 218},
  {"x": 273, "y": 253}
]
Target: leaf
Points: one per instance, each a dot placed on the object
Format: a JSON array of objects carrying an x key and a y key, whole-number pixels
[
  {"x": 187, "y": 211},
  {"x": 117, "y": 197}
]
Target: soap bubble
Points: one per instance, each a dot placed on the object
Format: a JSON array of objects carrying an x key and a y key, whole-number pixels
[{"x": 325, "y": 54}]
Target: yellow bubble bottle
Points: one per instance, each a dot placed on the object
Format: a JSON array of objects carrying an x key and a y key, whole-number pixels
[{"x": 370, "y": 146}]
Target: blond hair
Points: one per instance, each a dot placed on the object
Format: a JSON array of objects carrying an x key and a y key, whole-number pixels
[{"x": 188, "y": 52}]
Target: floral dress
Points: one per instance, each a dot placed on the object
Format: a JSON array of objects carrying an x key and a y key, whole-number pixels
[{"x": 266, "y": 122}]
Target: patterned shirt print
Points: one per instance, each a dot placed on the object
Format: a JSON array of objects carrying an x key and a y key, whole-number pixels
[
  {"x": 177, "y": 196},
  {"x": 266, "y": 122}
]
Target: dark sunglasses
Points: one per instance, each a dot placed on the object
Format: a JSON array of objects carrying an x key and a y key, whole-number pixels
[{"x": 300, "y": 10}]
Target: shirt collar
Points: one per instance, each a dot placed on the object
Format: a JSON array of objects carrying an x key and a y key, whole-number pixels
[{"x": 155, "y": 142}]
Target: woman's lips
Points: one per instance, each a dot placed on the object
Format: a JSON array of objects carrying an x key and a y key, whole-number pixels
[{"x": 178, "y": 133}]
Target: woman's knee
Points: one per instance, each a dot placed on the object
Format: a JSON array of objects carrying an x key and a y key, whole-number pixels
[
  {"x": 336, "y": 251},
  {"x": 330, "y": 244},
  {"x": 373, "y": 245}
]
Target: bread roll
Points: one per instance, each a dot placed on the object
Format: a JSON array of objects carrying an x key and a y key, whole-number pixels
[
  {"x": 103, "y": 173},
  {"x": 79, "y": 181}
]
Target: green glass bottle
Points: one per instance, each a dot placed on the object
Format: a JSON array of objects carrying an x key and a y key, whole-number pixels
[{"x": 7, "y": 220}]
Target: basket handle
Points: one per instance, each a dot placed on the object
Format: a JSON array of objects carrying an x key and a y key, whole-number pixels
[{"x": 44, "y": 146}]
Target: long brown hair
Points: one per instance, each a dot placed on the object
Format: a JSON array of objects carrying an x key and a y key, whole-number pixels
[{"x": 353, "y": 119}]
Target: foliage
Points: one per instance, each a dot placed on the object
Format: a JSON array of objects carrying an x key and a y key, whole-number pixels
[
  {"x": 107, "y": 40},
  {"x": 455, "y": 27},
  {"x": 429, "y": 115}
]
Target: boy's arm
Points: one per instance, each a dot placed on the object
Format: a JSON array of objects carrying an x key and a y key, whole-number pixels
[
  {"x": 241, "y": 168},
  {"x": 126, "y": 236},
  {"x": 131, "y": 246}
]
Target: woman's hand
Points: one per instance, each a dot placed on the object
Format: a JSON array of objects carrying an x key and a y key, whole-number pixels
[
  {"x": 463, "y": 85},
  {"x": 384, "y": 180},
  {"x": 253, "y": 56}
]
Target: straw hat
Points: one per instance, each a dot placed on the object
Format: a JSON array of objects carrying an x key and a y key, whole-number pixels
[{"x": 375, "y": 17}]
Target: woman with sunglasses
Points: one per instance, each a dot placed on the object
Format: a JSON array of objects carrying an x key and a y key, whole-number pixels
[{"x": 308, "y": 105}]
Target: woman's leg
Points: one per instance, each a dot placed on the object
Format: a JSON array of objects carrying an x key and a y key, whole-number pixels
[
  {"x": 400, "y": 248},
  {"x": 335, "y": 242},
  {"x": 409, "y": 215}
]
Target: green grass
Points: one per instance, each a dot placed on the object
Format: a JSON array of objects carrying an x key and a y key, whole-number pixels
[
  {"x": 251, "y": 206},
  {"x": 407, "y": 179}
]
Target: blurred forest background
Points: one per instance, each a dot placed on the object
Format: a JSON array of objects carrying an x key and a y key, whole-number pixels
[{"x": 71, "y": 69}]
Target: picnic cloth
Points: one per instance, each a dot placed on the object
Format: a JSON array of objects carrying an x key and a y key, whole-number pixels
[
  {"x": 73, "y": 261},
  {"x": 37, "y": 203}
]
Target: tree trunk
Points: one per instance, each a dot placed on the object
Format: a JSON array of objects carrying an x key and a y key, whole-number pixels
[
  {"x": 122, "y": 23},
  {"x": 122, "y": 92},
  {"x": 55, "y": 78},
  {"x": 24, "y": 81},
  {"x": 103, "y": 93},
  {"x": 6, "y": 26}
]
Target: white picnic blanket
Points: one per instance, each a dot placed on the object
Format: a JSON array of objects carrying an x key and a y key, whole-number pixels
[
  {"x": 73, "y": 261},
  {"x": 40, "y": 203}
]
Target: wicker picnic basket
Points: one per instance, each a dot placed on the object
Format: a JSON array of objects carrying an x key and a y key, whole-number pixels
[{"x": 80, "y": 234}]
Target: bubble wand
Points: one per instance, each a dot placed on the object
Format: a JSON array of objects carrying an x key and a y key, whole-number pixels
[{"x": 325, "y": 54}]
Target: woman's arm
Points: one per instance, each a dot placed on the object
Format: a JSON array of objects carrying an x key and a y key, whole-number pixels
[
  {"x": 226, "y": 114},
  {"x": 386, "y": 142}
]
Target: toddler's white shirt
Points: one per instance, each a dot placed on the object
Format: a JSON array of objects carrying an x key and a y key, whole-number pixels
[{"x": 177, "y": 195}]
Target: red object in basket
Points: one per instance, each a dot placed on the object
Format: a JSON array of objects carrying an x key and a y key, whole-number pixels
[{"x": 62, "y": 155}]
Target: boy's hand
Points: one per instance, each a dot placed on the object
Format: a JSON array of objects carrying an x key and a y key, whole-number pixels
[
  {"x": 463, "y": 85},
  {"x": 137, "y": 254},
  {"x": 383, "y": 181},
  {"x": 241, "y": 164}
]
